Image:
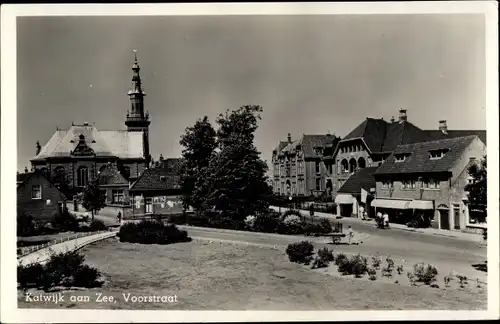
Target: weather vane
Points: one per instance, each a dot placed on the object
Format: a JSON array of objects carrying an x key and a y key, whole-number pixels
[{"x": 135, "y": 54}]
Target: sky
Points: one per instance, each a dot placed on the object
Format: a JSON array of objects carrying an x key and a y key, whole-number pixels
[{"x": 311, "y": 74}]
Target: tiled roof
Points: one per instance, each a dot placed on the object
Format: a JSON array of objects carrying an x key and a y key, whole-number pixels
[
  {"x": 382, "y": 136},
  {"x": 419, "y": 162},
  {"x": 437, "y": 134},
  {"x": 111, "y": 176},
  {"x": 157, "y": 179},
  {"x": 280, "y": 146},
  {"x": 22, "y": 177},
  {"x": 307, "y": 144},
  {"x": 363, "y": 178},
  {"x": 119, "y": 143}
]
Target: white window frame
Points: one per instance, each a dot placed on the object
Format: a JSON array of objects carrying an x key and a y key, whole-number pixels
[
  {"x": 148, "y": 202},
  {"x": 39, "y": 191},
  {"x": 117, "y": 193}
]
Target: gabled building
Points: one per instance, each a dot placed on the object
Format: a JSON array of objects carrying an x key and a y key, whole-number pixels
[
  {"x": 303, "y": 167},
  {"x": 38, "y": 196},
  {"x": 76, "y": 155},
  {"x": 424, "y": 182},
  {"x": 114, "y": 185},
  {"x": 371, "y": 142},
  {"x": 158, "y": 190},
  {"x": 358, "y": 190}
]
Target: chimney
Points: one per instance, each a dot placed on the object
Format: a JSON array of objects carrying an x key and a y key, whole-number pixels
[
  {"x": 85, "y": 124},
  {"x": 38, "y": 147},
  {"x": 289, "y": 138},
  {"x": 443, "y": 126},
  {"x": 392, "y": 119},
  {"x": 402, "y": 115},
  {"x": 472, "y": 159},
  {"x": 25, "y": 169}
]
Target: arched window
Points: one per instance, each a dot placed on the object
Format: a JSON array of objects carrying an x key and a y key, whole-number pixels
[
  {"x": 59, "y": 175},
  {"x": 361, "y": 163},
  {"x": 126, "y": 172},
  {"x": 82, "y": 176},
  {"x": 352, "y": 165},
  {"x": 345, "y": 165}
]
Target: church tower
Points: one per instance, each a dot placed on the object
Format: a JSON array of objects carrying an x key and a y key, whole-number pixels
[{"x": 137, "y": 120}]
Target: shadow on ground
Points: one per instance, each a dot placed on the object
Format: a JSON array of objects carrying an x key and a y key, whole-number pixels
[{"x": 481, "y": 266}]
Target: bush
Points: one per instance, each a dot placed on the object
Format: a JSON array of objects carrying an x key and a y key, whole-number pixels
[
  {"x": 86, "y": 276},
  {"x": 25, "y": 225},
  {"x": 323, "y": 258},
  {"x": 30, "y": 275},
  {"x": 97, "y": 225},
  {"x": 152, "y": 232},
  {"x": 292, "y": 212},
  {"x": 326, "y": 226},
  {"x": 340, "y": 259},
  {"x": 371, "y": 271},
  {"x": 250, "y": 221},
  {"x": 64, "y": 221},
  {"x": 424, "y": 274},
  {"x": 356, "y": 265},
  {"x": 300, "y": 252},
  {"x": 63, "y": 269},
  {"x": 376, "y": 261},
  {"x": 266, "y": 223},
  {"x": 373, "y": 277},
  {"x": 326, "y": 254}
]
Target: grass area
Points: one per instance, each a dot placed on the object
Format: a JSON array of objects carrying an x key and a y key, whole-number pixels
[{"x": 222, "y": 276}]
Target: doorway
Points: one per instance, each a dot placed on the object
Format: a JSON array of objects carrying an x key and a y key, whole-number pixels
[
  {"x": 456, "y": 217},
  {"x": 444, "y": 219}
]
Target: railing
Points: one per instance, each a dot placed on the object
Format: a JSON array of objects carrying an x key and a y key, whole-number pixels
[{"x": 23, "y": 251}]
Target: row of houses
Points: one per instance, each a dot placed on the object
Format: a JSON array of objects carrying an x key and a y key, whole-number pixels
[
  {"x": 155, "y": 191},
  {"x": 415, "y": 176}
]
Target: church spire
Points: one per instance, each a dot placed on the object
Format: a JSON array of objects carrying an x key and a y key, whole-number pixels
[{"x": 137, "y": 120}]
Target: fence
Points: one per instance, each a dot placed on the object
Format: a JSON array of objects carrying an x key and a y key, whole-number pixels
[{"x": 23, "y": 251}]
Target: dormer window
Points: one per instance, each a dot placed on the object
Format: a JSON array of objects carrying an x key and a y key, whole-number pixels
[
  {"x": 437, "y": 154},
  {"x": 318, "y": 150},
  {"x": 401, "y": 157}
]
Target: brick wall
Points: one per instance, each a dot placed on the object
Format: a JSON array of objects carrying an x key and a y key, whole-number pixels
[{"x": 38, "y": 208}]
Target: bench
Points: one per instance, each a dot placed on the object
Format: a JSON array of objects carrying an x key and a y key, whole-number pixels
[{"x": 336, "y": 236}]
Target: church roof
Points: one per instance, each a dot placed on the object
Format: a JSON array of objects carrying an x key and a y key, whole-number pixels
[{"x": 112, "y": 143}]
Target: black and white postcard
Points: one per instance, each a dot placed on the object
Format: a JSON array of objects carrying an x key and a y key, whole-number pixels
[{"x": 249, "y": 162}]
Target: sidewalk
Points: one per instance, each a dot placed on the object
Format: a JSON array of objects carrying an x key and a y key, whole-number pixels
[
  {"x": 426, "y": 231},
  {"x": 44, "y": 254}
]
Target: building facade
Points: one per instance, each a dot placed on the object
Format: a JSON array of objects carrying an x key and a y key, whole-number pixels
[
  {"x": 38, "y": 196},
  {"x": 158, "y": 191},
  {"x": 76, "y": 155},
  {"x": 425, "y": 182},
  {"x": 303, "y": 167}
]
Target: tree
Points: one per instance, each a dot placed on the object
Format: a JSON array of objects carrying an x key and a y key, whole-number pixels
[
  {"x": 199, "y": 143},
  {"x": 60, "y": 179},
  {"x": 236, "y": 176},
  {"x": 93, "y": 199},
  {"x": 477, "y": 189}
]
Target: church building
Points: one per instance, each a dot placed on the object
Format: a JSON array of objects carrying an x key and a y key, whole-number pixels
[{"x": 76, "y": 155}]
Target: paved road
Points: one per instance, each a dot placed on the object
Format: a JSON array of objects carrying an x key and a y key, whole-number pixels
[
  {"x": 447, "y": 253},
  {"x": 446, "y": 257}
]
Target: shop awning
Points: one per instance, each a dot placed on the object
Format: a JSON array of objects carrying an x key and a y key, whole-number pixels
[
  {"x": 421, "y": 204},
  {"x": 344, "y": 199},
  {"x": 390, "y": 203}
]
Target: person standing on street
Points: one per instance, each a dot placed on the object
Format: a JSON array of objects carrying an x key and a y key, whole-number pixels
[
  {"x": 350, "y": 234},
  {"x": 386, "y": 220},
  {"x": 362, "y": 212}
]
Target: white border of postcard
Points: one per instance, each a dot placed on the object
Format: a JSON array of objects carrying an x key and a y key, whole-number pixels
[{"x": 9, "y": 311}]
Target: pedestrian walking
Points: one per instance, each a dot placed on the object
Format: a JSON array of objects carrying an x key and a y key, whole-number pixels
[
  {"x": 350, "y": 234},
  {"x": 386, "y": 220},
  {"x": 119, "y": 217},
  {"x": 361, "y": 212}
]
